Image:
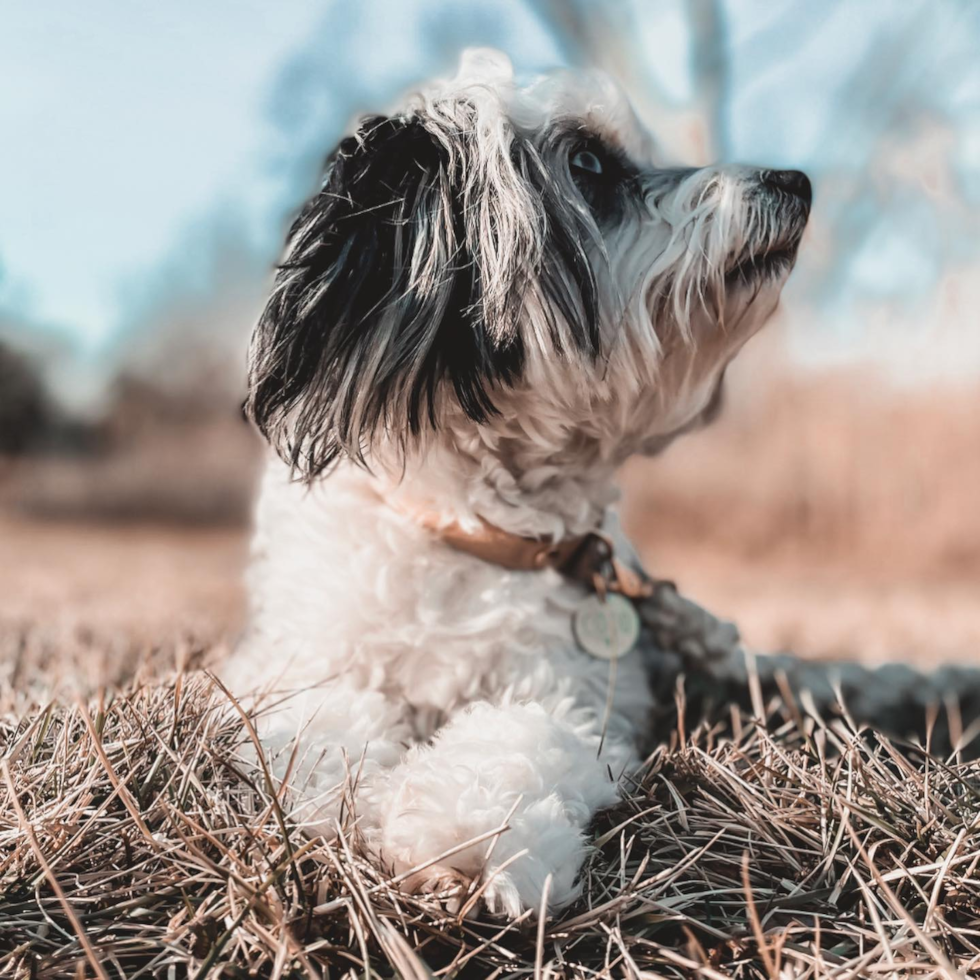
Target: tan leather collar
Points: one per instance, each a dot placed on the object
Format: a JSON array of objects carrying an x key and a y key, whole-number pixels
[
  {"x": 586, "y": 558},
  {"x": 500, "y": 547}
]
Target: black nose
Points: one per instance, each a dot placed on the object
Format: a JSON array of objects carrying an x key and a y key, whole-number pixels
[{"x": 793, "y": 182}]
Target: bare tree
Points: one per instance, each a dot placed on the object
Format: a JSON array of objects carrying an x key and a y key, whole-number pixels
[{"x": 25, "y": 410}]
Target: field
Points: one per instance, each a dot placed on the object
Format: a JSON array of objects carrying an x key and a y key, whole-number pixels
[{"x": 830, "y": 515}]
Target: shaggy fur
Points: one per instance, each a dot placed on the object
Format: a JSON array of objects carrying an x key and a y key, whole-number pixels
[{"x": 497, "y": 296}]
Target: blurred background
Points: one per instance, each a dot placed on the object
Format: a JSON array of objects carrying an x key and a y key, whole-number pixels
[{"x": 153, "y": 154}]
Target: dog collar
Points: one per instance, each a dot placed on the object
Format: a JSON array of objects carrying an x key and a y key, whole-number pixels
[
  {"x": 585, "y": 558},
  {"x": 606, "y": 623}
]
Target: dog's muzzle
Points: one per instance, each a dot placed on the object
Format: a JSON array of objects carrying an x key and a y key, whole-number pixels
[{"x": 787, "y": 196}]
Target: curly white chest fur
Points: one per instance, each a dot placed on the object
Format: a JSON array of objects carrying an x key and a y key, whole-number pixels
[{"x": 342, "y": 584}]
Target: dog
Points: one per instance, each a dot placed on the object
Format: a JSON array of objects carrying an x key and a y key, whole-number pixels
[{"x": 499, "y": 294}]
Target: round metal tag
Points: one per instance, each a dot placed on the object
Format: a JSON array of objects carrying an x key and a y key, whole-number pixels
[{"x": 606, "y": 628}]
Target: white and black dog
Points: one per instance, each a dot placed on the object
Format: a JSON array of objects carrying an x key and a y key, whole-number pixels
[{"x": 497, "y": 296}]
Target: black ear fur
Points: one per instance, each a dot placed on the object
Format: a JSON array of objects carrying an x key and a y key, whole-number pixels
[{"x": 380, "y": 299}]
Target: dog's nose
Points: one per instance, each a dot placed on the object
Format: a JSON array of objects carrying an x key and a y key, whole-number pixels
[{"x": 793, "y": 182}]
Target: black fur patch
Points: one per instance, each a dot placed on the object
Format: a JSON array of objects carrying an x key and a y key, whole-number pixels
[{"x": 354, "y": 341}]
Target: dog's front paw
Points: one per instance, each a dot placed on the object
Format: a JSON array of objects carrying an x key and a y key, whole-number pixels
[
  {"x": 467, "y": 895},
  {"x": 506, "y": 791}
]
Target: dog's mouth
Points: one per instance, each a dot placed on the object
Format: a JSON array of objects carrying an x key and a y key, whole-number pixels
[{"x": 767, "y": 264}]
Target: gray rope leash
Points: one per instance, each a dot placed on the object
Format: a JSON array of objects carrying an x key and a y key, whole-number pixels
[{"x": 687, "y": 639}]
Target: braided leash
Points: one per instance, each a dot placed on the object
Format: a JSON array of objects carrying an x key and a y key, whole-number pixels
[{"x": 688, "y": 640}]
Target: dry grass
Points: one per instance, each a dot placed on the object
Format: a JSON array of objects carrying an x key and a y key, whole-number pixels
[
  {"x": 133, "y": 844},
  {"x": 831, "y": 514},
  {"x": 835, "y": 466}
]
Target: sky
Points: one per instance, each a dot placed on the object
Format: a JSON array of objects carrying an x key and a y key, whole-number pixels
[
  {"x": 121, "y": 121},
  {"x": 126, "y": 125}
]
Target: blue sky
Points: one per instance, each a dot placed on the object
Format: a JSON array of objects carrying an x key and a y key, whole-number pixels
[
  {"x": 126, "y": 124},
  {"x": 122, "y": 120}
]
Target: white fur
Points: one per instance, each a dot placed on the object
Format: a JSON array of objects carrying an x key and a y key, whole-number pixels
[{"x": 452, "y": 690}]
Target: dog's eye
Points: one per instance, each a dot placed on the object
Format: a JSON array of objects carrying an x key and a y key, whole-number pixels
[{"x": 587, "y": 162}]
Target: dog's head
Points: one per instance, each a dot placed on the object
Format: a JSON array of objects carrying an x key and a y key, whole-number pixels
[{"x": 514, "y": 257}]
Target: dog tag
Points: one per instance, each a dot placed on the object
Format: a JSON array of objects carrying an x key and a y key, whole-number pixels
[{"x": 606, "y": 628}]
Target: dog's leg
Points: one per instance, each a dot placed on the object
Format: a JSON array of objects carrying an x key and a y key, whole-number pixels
[{"x": 535, "y": 772}]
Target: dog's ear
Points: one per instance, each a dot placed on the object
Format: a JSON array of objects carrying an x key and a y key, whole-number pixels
[{"x": 404, "y": 276}]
